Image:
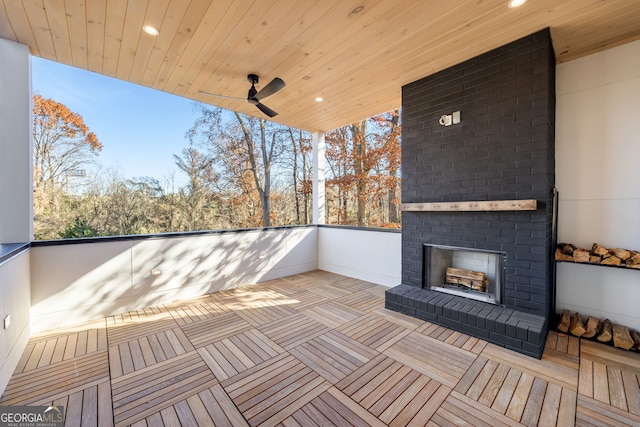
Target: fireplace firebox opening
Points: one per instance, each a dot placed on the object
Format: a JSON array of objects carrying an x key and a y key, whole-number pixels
[{"x": 468, "y": 272}]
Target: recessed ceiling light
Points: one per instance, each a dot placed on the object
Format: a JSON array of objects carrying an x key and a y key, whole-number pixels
[
  {"x": 319, "y": 99},
  {"x": 516, "y": 3},
  {"x": 152, "y": 31}
]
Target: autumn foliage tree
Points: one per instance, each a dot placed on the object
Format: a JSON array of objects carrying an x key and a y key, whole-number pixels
[
  {"x": 364, "y": 161},
  {"x": 62, "y": 146},
  {"x": 240, "y": 172},
  {"x": 62, "y": 143},
  {"x": 248, "y": 153}
]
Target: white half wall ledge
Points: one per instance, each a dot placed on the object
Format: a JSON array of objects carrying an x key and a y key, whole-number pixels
[
  {"x": 366, "y": 254},
  {"x": 15, "y": 300},
  {"x": 80, "y": 282}
]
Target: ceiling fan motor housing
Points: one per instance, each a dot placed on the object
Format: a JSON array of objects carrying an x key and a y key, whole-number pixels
[{"x": 253, "y": 78}]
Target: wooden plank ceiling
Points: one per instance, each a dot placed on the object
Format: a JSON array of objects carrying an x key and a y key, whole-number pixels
[{"x": 356, "y": 54}]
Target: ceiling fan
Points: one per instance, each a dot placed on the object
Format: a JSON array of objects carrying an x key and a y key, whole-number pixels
[{"x": 254, "y": 97}]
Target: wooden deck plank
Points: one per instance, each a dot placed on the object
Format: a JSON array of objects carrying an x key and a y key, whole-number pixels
[
  {"x": 199, "y": 411},
  {"x": 186, "y": 417},
  {"x": 215, "y": 360},
  {"x": 592, "y": 410},
  {"x": 126, "y": 359},
  {"x": 272, "y": 407},
  {"x": 34, "y": 357},
  {"x": 567, "y": 410},
  {"x": 47, "y": 353},
  {"x": 378, "y": 381},
  {"x": 353, "y": 351},
  {"x": 448, "y": 415},
  {"x": 165, "y": 344},
  {"x": 147, "y": 352},
  {"x": 609, "y": 356},
  {"x": 446, "y": 364},
  {"x": 520, "y": 397},
  {"x": 632, "y": 391},
  {"x": 585, "y": 381},
  {"x": 228, "y": 414},
  {"x": 70, "y": 350},
  {"x": 73, "y": 414},
  {"x": 170, "y": 417},
  {"x": 494, "y": 385},
  {"x": 136, "y": 355},
  {"x": 470, "y": 376},
  {"x": 548, "y": 370},
  {"x": 149, "y": 402},
  {"x": 415, "y": 405},
  {"x": 242, "y": 382},
  {"x": 550, "y": 405},
  {"x": 532, "y": 409},
  {"x": 354, "y": 408},
  {"x": 328, "y": 368},
  {"x": 482, "y": 380},
  {"x": 398, "y": 404},
  {"x": 269, "y": 390},
  {"x": 617, "y": 396},
  {"x": 81, "y": 345},
  {"x": 265, "y": 354},
  {"x": 216, "y": 328},
  {"x": 363, "y": 375},
  {"x": 229, "y": 348},
  {"x": 379, "y": 399},
  {"x": 277, "y": 413},
  {"x": 332, "y": 314},
  {"x": 399, "y": 319},
  {"x": 105, "y": 409},
  {"x": 329, "y": 410},
  {"x": 600, "y": 383},
  {"x": 92, "y": 340},
  {"x": 430, "y": 407},
  {"x": 24, "y": 359},
  {"x": 362, "y": 301},
  {"x": 90, "y": 406},
  {"x": 502, "y": 400},
  {"x": 293, "y": 330},
  {"x": 48, "y": 382},
  {"x": 479, "y": 412}
]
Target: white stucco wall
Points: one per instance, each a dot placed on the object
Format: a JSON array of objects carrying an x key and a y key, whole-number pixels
[
  {"x": 365, "y": 254},
  {"x": 72, "y": 283},
  {"x": 16, "y": 220},
  {"x": 16, "y": 187},
  {"x": 597, "y": 176},
  {"x": 15, "y": 301}
]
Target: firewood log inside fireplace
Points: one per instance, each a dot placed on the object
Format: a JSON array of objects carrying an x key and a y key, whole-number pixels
[{"x": 475, "y": 280}]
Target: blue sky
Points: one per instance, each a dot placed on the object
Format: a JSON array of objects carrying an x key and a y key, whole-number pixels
[{"x": 140, "y": 128}]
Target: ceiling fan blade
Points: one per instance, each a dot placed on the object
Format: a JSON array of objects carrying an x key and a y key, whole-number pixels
[
  {"x": 268, "y": 111},
  {"x": 271, "y": 88},
  {"x": 222, "y": 96}
]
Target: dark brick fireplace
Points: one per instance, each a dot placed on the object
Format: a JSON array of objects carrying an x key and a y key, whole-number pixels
[{"x": 503, "y": 149}]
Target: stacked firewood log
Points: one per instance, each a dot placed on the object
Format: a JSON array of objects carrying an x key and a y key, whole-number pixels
[
  {"x": 598, "y": 254},
  {"x": 475, "y": 280},
  {"x": 604, "y": 331}
]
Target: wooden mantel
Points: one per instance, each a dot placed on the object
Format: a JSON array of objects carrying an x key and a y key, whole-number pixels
[{"x": 478, "y": 206}]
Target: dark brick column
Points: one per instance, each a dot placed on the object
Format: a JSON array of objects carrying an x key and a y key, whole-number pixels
[{"x": 502, "y": 149}]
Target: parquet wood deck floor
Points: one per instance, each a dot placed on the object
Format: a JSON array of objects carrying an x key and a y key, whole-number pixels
[{"x": 314, "y": 349}]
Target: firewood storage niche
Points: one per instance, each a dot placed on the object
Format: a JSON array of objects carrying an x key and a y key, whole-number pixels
[{"x": 468, "y": 272}]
